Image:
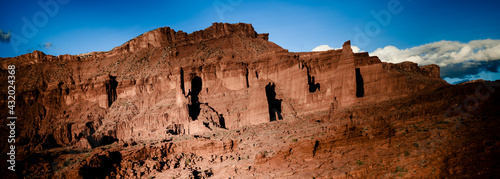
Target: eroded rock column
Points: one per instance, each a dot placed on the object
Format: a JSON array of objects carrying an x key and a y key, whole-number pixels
[{"x": 347, "y": 69}]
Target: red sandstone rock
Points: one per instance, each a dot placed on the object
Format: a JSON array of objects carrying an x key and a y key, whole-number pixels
[{"x": 213, "y": 93}]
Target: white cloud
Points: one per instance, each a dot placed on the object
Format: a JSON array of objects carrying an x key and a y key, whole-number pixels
[
  {"x": 443, "y": 53},
  {"x": 320, "y": 48},
  {"x": 46, "y": 45},
  {"x": 458, "y": 61},
  {"x": 356, "y": 49}
]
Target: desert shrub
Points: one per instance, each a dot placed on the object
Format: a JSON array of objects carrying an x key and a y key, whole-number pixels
[{"x": 359, "y": 162}]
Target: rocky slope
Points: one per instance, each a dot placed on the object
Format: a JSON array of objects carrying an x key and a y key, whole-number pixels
[{"x": 226, "y": 102}]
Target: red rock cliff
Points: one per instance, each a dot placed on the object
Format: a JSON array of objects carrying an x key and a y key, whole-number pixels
[{"x": 165, "y": 82}]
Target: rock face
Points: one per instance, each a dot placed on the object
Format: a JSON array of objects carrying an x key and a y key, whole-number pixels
[
  {"x": 167, "y": 37},
  {"x": 167, "y": 83},
  {"x": 161, "y": 80}
]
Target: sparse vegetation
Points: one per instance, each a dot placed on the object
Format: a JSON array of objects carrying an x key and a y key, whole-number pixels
[
  {"x": 359, "y": 162},
  {"x": 400, "y": 169},
  {"x": 399, "y": 144},
  {"x": 87, "y": 155},
  {"x": 68, "y": 162},
  {"x": 423, "y": 163},
  {"x": 415, "y": 144},
  {"x": 264, "y": 153},
  {"x": 406, "y": 153},
  {"x": 442, "y": 122}
]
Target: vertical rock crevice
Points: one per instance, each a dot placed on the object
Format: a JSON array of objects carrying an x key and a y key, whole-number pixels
[
  {"x": 311, "y": 82},
  {"x": 222, "y": 122},
  {"x": 273, "y": 103},
  {"x": 194, "y": 106},
  {"x": 111, "y": 86},
  {"x": 182, "y": 81},
  {"x": 246, "y": 77},
  {"x": 360, "y": 89}
]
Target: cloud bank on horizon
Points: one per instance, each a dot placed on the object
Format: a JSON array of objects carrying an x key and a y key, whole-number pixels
[
  {"x": 477, "y": 59},
  {"x": 443, "y": 53}
]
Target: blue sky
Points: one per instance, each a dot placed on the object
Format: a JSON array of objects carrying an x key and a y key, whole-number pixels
[{"x": 76, "y": 27}]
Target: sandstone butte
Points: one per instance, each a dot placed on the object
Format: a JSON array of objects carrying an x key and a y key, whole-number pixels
[{"x": 225, "y": 102}]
